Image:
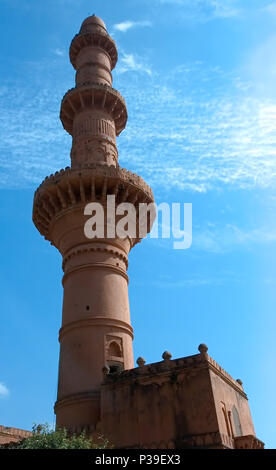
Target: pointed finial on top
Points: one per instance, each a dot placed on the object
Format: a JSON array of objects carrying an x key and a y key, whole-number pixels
[
  {"x": 141, "y": 361},
  {"x": 203, "y": 348},
  {"x": 166, "y": 355}
]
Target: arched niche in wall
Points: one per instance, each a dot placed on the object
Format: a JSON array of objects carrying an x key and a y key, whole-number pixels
[{"x": 236, "y": 422}]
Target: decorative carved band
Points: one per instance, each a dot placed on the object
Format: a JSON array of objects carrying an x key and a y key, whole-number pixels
[
  {"x": 208, "y": 440},
  {"x": 89, "y": 72},
  {"x": 94, "y": 96},
  {"x": 91, "y": 126},
  {"x": 215, "y": 367},
  {"x": 96, "y": 39},
  {"x": 152, "y": 445},
  {"x": 188, "y": 365},
  {"x": 88, "y": 249},
  {"x": 76, "y": 398},
  {"x": 97, "y": 265},
  {"x": 248, "y": 442},
  {"x": 70, "y": 187},
  {"x": 93, "y": 149},
  {"x": 96, "y": 320},
  {"x": 95, "y": 171}
]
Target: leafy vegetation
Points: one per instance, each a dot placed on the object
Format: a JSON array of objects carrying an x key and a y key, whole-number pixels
[{"x": 46, "y": 438}]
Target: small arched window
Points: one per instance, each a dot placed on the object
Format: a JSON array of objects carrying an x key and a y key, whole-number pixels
[
  {"x": 114, "y": 349},
  {"x": 236, "y": 421},
  {"x": 226, "y": 421}
]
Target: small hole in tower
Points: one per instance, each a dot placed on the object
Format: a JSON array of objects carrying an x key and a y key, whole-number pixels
[{"x": 87, "y": 307}]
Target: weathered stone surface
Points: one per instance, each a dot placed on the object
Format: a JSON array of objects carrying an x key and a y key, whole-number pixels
[
  {"x": 11, "y": 435},
  {"x": 181, "y": 406}
]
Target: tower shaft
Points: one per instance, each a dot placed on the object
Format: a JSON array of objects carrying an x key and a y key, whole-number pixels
[{"x": 96, "y": 330}]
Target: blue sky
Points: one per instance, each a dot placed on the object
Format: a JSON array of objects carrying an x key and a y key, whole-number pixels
[{"x": 198, "y": 77}]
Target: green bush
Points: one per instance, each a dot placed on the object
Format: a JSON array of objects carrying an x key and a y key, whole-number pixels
[{"x": 46, "y": 438}]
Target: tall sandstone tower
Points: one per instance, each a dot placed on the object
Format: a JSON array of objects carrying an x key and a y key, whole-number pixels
[
  {"x": 96, "y": 329},
  {"x": 186, "y": 402}
]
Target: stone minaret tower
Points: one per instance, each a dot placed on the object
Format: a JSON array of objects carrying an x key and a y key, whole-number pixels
[{"x": 96, "y": 330}]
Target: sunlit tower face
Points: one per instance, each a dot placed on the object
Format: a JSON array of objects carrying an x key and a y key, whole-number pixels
[{"x": 96, "y": 332}]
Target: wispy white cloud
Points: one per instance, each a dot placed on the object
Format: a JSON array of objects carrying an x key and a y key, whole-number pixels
[
  {"x": 189, "y": 282},
  {"x": 270, "y": 8},
  {"x": 198, "y": 130},
  {"x": 124, "y": 26},
  {"x": 4, "y": 391},
  {"x": 270, "y": 281},
  {"x": 224, "y": 8},
  {"x": 218, "y": 238},
  {"x": 221, "y": 279},
  {"x": 231, "y": 237},
  {"x": 133, "y": 63},
  {"x": 260, "y": 67},
  {"x": 59, "y": 52},
  {"x": 195, "y": 128},
  {"x": 204, "y": 10},
  {"x": 32, "y": 139}
]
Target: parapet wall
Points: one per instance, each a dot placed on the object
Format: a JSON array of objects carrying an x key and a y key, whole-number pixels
[
  {"x": 9, "y": 435},
  {"x": 174, "y": 404}
]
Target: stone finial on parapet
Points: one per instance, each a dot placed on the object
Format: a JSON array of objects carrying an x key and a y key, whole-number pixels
[
  {"x": 166, "y": 356},
  {"x": 203, "y": 350},
  {"x": 141, "y": 361}
]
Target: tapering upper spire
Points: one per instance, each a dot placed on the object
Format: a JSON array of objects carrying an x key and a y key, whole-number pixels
[
  {"x": 93, "y": 33},
  {"x": 92, "y": 23},
  {"x": 93, "y": 112}
]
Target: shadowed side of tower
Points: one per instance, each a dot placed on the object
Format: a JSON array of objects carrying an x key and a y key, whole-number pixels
[{"x": 96, "y": 331}]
